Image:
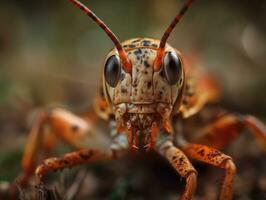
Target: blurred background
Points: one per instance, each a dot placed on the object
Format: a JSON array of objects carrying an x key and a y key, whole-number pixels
[{"x": 51, "y": 53}]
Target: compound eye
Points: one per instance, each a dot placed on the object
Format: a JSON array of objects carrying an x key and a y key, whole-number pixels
[
  {"x": 172, "y": 68},
  {"x": 112, "y": 70}
]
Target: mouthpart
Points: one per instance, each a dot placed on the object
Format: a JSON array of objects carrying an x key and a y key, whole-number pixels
[
  {"x": 142, "y": 138},
  {"x": 142, "y": 123}
]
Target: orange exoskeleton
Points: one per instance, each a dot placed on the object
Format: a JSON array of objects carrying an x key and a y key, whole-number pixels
[{"x": 148, "y": 91}]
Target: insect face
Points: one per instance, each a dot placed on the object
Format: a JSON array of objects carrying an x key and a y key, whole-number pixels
[
  {"x": 142, "y": 80},
  {"x": 144, "y": 97}
]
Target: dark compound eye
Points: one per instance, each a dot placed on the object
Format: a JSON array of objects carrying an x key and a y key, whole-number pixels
[
  {"x": 172, "y": 68},
  {"x": 112, "y": 70}
]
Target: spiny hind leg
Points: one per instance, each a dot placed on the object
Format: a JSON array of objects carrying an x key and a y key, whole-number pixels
[
  {"x": 228, "y": 127},
  {"x": 218, "y": 159},
  {"x": 63, "y": 125},
  {"x": 183, "y": 167}
]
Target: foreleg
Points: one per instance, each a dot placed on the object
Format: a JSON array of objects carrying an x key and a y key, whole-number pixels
[
  {"x": 183, "y": 167},
  {"x": 72, "y": 159},
  {"x": 218, "y": 159}
]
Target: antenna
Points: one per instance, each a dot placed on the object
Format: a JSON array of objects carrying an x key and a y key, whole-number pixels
[
  {"x": 112, "y": 36},
  {"x": 160, "y": 51}
]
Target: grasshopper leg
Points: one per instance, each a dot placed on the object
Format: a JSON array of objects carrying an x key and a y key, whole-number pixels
[
  {"x": 63, "y": 125},
  {"x": 183, "y": 167},
  {"x": 228, "y": 127},
  {"x": 72, "y": 159},
  {"x": 215, "y": 158}
]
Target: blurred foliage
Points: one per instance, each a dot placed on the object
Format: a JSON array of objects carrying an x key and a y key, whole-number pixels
[{"x": 9, "y": 165}]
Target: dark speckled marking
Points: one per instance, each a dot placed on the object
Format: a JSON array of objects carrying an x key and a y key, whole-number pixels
[
  {"x": 146, "y": 43},
  {"x": 138, "y": 52},
  {"x": 123, "y": 90},
  {"x": 132, "y": 46},
  {"x": 85, "y": 155},
  {"x": 181, "y": 160},
  {"x": 146, "y": 64},
  {"x": 213, "y": 154},
  {"x": 122, "y": 77},
  {"x": 74, "y": 128},
  {"x": 154, "y": 45},
  {"x": 201, "y": 152},
  {"x": 149, "y": 84},
  {"x": 135, "y": 41}
]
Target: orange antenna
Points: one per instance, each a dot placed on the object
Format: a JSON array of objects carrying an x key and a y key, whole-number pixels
[
  {"x": 167, "y": 33},
  {"x": 99, "y": 22}
]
